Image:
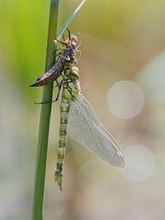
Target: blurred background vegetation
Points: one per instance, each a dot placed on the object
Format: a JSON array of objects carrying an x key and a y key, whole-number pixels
[{"x": 121, "y": 41}]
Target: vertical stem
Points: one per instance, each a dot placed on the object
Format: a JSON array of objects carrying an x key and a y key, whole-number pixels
[{"x": 38, "y": 197}]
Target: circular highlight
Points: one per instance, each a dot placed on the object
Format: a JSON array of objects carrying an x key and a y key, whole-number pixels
[
  {"x": 125, "y": 99},
  {"x": 152, "y": 79},
  {"x": 140, "y": 163}
]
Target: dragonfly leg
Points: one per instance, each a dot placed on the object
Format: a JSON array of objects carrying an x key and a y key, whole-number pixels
[
  {"x": 69, "y": 34},
  {"x": 79, "y": 51},
  {"x": 59, "y": 85},
  {"x": 63, "y": 37},
  {"x": 61, "y": 42},
  {"x": 46, "y": 102}
]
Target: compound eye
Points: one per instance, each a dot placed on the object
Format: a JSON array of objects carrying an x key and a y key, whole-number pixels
[{"x": 74, "y": 73}]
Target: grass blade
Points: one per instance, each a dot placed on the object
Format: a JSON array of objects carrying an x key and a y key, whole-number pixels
[
  {"x": 69, "y": 20},
  {"x": 37, "y": 212}
]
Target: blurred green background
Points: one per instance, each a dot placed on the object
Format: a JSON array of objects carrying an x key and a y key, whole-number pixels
[{"x": 122, "y": 67}]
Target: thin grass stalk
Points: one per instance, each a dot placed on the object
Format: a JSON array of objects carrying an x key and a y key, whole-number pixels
[{"x": 38, "y": 197}]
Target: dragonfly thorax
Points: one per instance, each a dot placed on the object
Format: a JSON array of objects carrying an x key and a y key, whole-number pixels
[
  {"x": 71, "y": 84},
  {"x": 72, "y": 73}
]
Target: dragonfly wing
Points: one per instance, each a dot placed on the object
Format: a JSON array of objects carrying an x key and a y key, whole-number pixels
[{"x": 84, "y": 127}]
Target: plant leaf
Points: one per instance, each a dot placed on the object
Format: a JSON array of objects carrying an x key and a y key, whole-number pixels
[{"x": 69, "y": 20}]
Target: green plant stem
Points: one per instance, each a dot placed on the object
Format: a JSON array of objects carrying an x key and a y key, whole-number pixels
[{"x": 38, "y": 197}]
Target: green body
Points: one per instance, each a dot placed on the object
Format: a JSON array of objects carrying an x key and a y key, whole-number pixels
[{"x": 70, "y": 90}]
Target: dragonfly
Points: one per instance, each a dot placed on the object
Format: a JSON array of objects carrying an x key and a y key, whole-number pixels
[
  {"x": 66, "y": 58},
  {"x": 78, "y": 119}
]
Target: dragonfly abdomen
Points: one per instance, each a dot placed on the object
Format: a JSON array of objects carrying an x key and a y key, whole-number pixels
[
  {"x": 70, "y": 90},
  {"x": 64, "y": 111}
]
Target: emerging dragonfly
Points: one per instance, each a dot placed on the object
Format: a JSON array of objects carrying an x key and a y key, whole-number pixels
[
  {"x": 66, "y": 58},
  {"x": 78, "y": 118},
  {"x": 76, "y": 114}
]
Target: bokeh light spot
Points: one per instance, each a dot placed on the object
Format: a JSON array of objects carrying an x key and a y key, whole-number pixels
[
  {"x": 152, "y": 79},
  {"x": 140, "y": 163},
  {"x": 125, "y": 99}
]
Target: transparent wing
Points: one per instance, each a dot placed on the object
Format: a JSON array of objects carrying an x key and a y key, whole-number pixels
[{"x": 84, "y": 127}]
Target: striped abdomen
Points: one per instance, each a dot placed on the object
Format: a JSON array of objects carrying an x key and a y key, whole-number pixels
[
  {"x": 70, "y": 90},
  {"x": 64, "y": 111}
]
